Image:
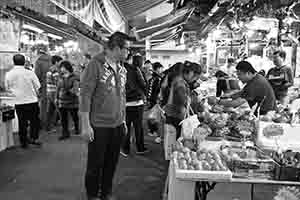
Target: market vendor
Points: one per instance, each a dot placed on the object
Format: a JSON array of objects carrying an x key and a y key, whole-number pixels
[
  {"x": 256, "y": 91},
  {"x": 280, "y": 77}
]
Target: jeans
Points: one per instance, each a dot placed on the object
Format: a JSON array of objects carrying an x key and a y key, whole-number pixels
[
  {"x": 28, "y": 114},
  {"x": 65, "y": 120},
  {"x": 52, "y": 113},
  {"x": 103, "y": 156},
  {"x": 134, "y": 114}
]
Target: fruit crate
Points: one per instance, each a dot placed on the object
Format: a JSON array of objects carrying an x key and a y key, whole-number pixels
[
  {"x": 256, "y": 165},
  {"x": 203, "y": 175},
  {"x": 284, "y": 173}
]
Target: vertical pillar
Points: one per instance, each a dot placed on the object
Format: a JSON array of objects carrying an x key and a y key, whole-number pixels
[{"x": 148, "y": 42}]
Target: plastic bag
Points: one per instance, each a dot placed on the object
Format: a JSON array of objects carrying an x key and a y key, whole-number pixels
[
  {"x": 156, "y": 113},
  {"x": 188, "y": 125}
]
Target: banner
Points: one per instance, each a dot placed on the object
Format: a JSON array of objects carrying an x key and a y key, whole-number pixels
[
  {"x": 9, "y": 34},
  {"x": 102, "y": 11}
]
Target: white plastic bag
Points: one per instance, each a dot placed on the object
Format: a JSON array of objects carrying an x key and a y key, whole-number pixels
[{"x": 188, "y": 125}]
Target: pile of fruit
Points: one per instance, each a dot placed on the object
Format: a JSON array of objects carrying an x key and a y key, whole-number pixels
[
  {"x": 193, "y": 159},
  {"x": 221, "y": 124}
]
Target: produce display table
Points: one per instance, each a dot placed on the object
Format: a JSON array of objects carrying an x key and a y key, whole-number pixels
[
  {"x": 6, "y": 135},
  {"x": 8, "y": 125},
  {"x": 188, "y": 187}
]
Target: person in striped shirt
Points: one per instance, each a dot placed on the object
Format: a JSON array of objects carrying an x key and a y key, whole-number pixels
[{"x": 52, "y": 77}]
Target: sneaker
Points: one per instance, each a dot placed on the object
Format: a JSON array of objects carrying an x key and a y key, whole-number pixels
[
  {"x": 124, "y": 153},
  {"x": 157, "y": 140},
  {"x": 143, "y": 151},
  {"x": 35, "y": 142}
]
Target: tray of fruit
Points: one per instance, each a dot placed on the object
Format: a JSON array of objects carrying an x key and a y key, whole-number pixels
[
  {"x": 248, "y": 162},
  {"x": 203, "y": 164}
]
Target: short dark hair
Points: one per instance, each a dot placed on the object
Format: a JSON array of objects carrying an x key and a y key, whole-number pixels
[
  {"x": 281, "y": 53},
  {"x": 191, "y": 66},
  {"x": 66, "y": 64},
  {"x": 118, "y": 39},
  {"x": 137, "y": 61},
  {"x": 245, "y": 66},
  {"x": 55, "y": 59},
  {"x": 19, "y": 59},
  {"x": 147, "y": 62},
  {"x": 156, "y": 66}
]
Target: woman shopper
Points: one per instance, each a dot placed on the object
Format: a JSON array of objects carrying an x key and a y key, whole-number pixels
[
  {"x": 67, "y": 98},
  {"x": 136, "y": 86}
]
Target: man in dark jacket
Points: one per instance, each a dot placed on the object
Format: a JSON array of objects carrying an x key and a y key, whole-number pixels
[
  {"x": 135, "y": 92},
  {"x": 154, "y": 84},
  {"x": 42, "y": 66}
]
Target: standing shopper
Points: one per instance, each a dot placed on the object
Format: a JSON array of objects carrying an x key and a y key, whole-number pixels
[
  {"x": 136, "y": 87},
  {"x": 280, "y": 77},
  {"x": 25, "y": 86},
  {"x": 67, "y": 97},
  {"x": 152, "y": 99},
  {"x": 52, "y": 81},
  {"x": 102, "y": 109},
  {"x": 154, "y": 84},
  {"x": 42, "y": 66},
  {"x": 179, "y": 98}
]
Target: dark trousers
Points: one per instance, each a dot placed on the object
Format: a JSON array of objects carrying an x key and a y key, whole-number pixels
[
  {"x": 175, "y": 122},
  {"x": 103, "y": 156},
  {"x": 65, "y": 120},
  {"x": 153, "y": 125},
  {"x": 134, "y": 114},
  {"x": 28, "y": 114}
]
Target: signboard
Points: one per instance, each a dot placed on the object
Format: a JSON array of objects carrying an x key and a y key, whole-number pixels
[{"x": 9, "y": 35}]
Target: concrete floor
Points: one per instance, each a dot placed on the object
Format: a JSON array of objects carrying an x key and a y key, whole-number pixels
[{"x": 55, "y": 172}]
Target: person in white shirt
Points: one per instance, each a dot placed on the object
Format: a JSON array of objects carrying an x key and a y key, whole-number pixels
[{"x": 25, "y": 86}]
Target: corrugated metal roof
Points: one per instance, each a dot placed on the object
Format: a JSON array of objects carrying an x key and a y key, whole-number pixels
[{"x": 132, "y": 8}]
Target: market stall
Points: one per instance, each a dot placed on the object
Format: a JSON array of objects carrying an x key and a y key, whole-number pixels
[{"x": 232, "y": 145}]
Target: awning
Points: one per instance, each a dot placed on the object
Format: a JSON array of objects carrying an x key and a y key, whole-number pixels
[
  {"x": 132, "y": 8},
  {"x": 88, "y": 11},
  {"x": 163, "y": 24},
  {"x": 47, "y": 24},
  {"x": 169, "y": 34}
]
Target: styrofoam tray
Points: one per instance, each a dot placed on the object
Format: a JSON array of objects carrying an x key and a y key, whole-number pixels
[{"x": 289, "y": 140}]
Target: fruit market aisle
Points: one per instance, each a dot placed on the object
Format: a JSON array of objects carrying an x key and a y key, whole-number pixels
[{"x": 55, "y": 172}]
